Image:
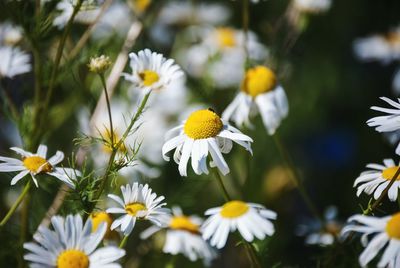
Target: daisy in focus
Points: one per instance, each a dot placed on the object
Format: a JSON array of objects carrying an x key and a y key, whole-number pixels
[
  {"x": 375, "y": 180},
  {"x": 37, "y": 164},
  {"x": 183, "y": 236},
  {"x": 202, "y": 133},
  {"x": 251, "y": 220},
  {"x": 71, "y": 244},
  {"x": 385, "y": 231},
  {"x": 260, "y": 93},
  {"x": 151, "y": 71},
  {"x": 138, "y": 203},
  {"x": 389, "y": 122}
]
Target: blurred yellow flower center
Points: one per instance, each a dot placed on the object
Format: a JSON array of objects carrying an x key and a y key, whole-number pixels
[
  {"x": 393, "y": 38},
  {"x": 234, "y": 209},
  {"x": 183, "y": 223},
  {"x": 73, "y": 259},
  {"x": 258, "y": 80},
  {"x": 100, "y": 217},
  {"x": 389, "y": 173},
  {"x": 107, "y": 147},
  {"x": 34, "y": 163},
  {"x": 149, "y": 77},
  {"x": 393, "y": 226},
  {"x": 226, "y": 37},
  {"x": 141, "y": 5},
  {"x": 133, "y": 208},
  {"x": 203, "y": 124}
]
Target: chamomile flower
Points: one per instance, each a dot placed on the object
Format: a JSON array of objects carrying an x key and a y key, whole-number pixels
[
  {"x": 151, "y": 70},
  {"x": 385, "y": 231},
  {"x": 375, "y": 180},
  {"x": 100, "y": 217},
  {"x": 139, "y": 202},
  {"x": 389, "y": 122},
  {"x": 86, "y": 14},
  {"x": 183, "y": 236},
  {"x": 202, "y": 133},
  {"x": 36, "y": 164},
  {"x": 71, "y": 244},
  {"x": 260, "y": 93},
  {"x": 251, "y": 220},
  {"x": 13, "y": 62},
  {"x": 10, "y": 35}
]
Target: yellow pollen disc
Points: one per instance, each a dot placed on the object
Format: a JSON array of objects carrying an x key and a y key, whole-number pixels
[
  {"x": 393, "y": 38},
  {"x": 203, "y": 124},
  {"x": 141, "y": 5},
  {"x": 183, "y": 223},
  {"x": 226, "y": 37},
  {"x": 389, "y": 173},
  {"x": 107, "y": 147},
  {"x": 133, "y": 208},
  {"x": 149, "y": 77},
  {"x": 100, "y": 217},
  {"x": 73, "y": 259},
  {"x": 33, "y": 163},
  {"x": 258, "y": 80},
  {"x": 393, "y": 226},
  {"x": 234, "y": 209}
]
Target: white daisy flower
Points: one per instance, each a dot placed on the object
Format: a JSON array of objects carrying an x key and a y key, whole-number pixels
[
  {"x": 252, "y": 220},
  {"x": 13, "y": 62},
  {"x": 202, "y": 133},
  {"x": 183, "y": 236},
  {"x": 86, "y": 14},
  {"x": 151, "y": 70},
  {"x": 385, "y": 231},
  {"x": 260, "y": 93},
  {"x": 71, "y": 244},
  {"x": 10, "y": 35},
  {"x": 138, "y": 203},
  {"x": 389, "y": 122},
  {"x": 36, "y": 163},
  {"x": 313, "y": 6},
  {"x": 381, "y": 47},
  {"x": 375, "y": 180}
]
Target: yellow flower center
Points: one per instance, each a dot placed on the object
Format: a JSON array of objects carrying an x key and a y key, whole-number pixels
[
  {"x": 389, "y": 173},
  {"x": 393, "y": 226},
  {"x": 141, "y": 5},
  {"x": 107, "y": 147},
  {"x": 149, "y": 77},
  {"x": 226, "y": 37},
  {"x": 33, "y": 163},
  {"x": 393, "y": 38},
  {"x": 133, "y": 208},
  {"x": 203, "y": 124},
  {"x": 73, "y": 259},
  {"x": 183, "y": 223},
  {"x": 234, "y": 209},
  {"x": 100, "y": 217},
  {"x": 258, "y": 80}
]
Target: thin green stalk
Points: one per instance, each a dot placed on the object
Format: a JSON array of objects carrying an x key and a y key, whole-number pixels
[
  {"x": 245, "y": 18},
  {"x": 221, "y": 184},
  {"x": 123, "y": 241},
  {"x": 16, "y": 204},
  {"x": 103, "y": 81},
  {"x": 252, "y": 254},
  {"x": 296, "y": 177}
]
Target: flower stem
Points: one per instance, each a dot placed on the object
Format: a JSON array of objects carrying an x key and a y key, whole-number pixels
[
  {"x": 245, "y": 22},
  {"x": 221, "y": 184},
  {"x": 123, "y": 241},
  {"x": 296, "y": 177},
  {"x": 378, "y": 201},
  {"x": 103, "y": 82},
  {"x": 16, "y": 204},
  {"x": 252, "y": 254}
]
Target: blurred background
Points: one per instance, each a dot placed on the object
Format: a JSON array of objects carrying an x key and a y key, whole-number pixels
[{"x": 330, "y": 87}]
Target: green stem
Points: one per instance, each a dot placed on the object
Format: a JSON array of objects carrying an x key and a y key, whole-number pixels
[
  {"x": 296, "y": 177},
  {"x": 16, "y": 204},
  {"x": 245, "y": 22},
  {"x": 123, "y": 241},
  {"x": 252, "y": 254},
  {"x": 103, "y": 81},
  {"x": 221, "y": 184}
]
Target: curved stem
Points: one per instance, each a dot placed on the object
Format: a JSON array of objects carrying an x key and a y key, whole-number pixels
[
  {"x": 16, "y": 204},
  {"x": 296, "y": 177},
  {"x": 221, "y": 184},
  {"x": 103, "y": 81},
  {"x": 123, "y": 241}
]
